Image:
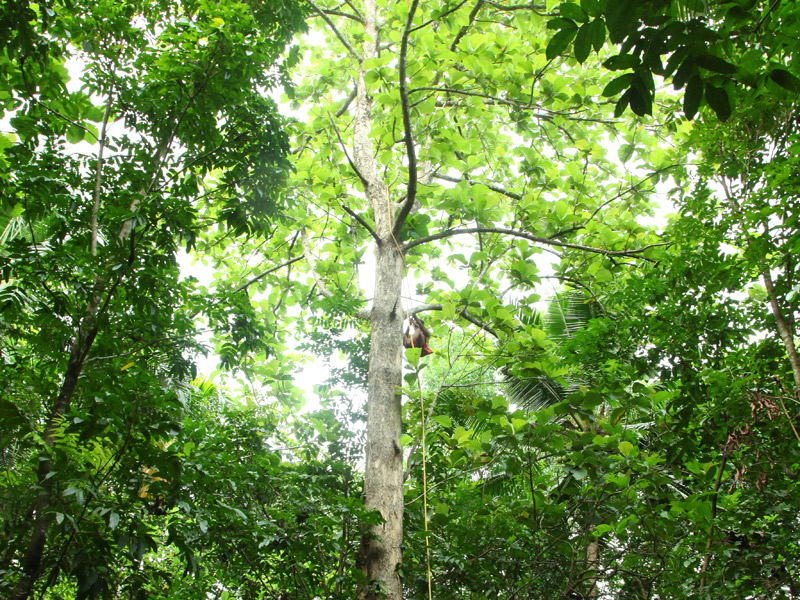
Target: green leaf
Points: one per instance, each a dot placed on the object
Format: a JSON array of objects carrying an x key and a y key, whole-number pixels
[
  {"x": 592, "y": 7},
  {"x": 693, "y": 96},
  {"x": 604, "y": 275},
  {"x": 786, "y": 80},
  {"x": 622, "y": 103},
  {"x": 443, "y": 420},
  {"x": 598, "y": 33},
  {"x": 413, "y": 355},
  {"x": 619, "y": 15},
  {"x": 625, "y": 448},
  {"x": 75, "y": 134},
  {"x": 561, "y": 23},
  {"x": 583, "y": 43},
  {"x": 640, "y": 101},
  {"x": 559, "y": 42},
  {"x": 684, "y": 72},
  {"x": 573, "y": 11},
  {"x": 616, "y": 85},
  {"x": 113, "y": 520},
  {"x": 719, "y": 101},
  {"x": 621, "y": 62},
  {"x": 714, "y": 63}
]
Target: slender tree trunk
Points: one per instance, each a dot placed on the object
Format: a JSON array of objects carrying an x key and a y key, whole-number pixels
[
  {"x": 787, "y": 336},
  {"x": 592, "y": 562},
  {"x": 32, "y": 563}
]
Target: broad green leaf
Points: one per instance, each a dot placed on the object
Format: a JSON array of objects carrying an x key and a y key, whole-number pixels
[
  {"x": 618, "y": 17},
  {"x": 592, "y": 7},
  {"x": 597, "y": 33},
  {"x": 443, "y": 420},
  {"x": 603, "y": 275},
  {"x": 786, "y": 80},
  {"x": 621, "y": 62},
  {"x": 559, "y": 42},
  {"x": 573, "y": 11},
  {"x": 714, "y": 63},
  {"x": 616, "y": 85},
  {"x": 693, "y": 96},
  {"x": 583, "y": 43},
  {"x": 719, "y": 101},
  {"x": 640, "y": 100},
  {"x": 75, "y": 134}
]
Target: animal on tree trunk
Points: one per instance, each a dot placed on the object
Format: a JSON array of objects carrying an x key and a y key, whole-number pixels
[{"x": 417, "y": 335}]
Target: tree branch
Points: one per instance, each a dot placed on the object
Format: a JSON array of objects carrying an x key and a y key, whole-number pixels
[
  {"x": 547, "y": 114},
  {"x": 98, "y": 176},
  {"x": 631, "y": 188},
  {"x": 463, "y": 31},
  {"x": 341, "y": 13},
  {"x": 343, "y": 108},
  {"x": 535, "y": 8},
  {"x": 355, "y": 9},
  {"x": 491, "y": 186},
  {"x": 363, "y": 313},
  {"x": 344, "y": 149},
  {"x": 363, "y": 223},
  {"x": 355, "y": 55},
  {"x": 441, "y": 16},
  {"x": 411, "y": 195},
  {"x": 462, "y": 313},
  {"x": 536, "y": 239}
]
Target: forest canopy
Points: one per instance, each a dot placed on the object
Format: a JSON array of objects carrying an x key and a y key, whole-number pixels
[{"x": 453, "y": 299}]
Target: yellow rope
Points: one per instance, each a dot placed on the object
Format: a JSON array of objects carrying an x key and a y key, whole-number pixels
[
  {"x": 422, "y": 409},
  {"x": 391, "y": 230},
  {"x": 425, "y": 495}
]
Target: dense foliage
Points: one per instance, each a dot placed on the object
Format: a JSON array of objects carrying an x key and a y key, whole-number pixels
[{"x": 611, "y": 407}]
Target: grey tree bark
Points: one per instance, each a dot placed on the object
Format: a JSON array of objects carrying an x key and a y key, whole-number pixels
[{"x": 380, "y": 555}]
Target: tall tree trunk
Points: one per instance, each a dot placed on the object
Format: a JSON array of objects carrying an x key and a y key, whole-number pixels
[{"x": 380, "y": 555}]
